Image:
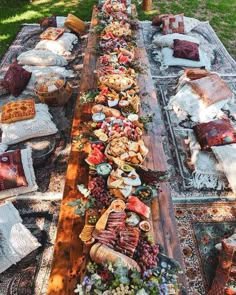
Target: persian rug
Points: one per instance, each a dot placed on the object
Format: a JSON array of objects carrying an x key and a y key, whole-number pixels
[
  {"x": 50, "y": 153},
  {"x": 200, "y": 227},
  {"x": 221, "y": 61},
  {"x": 30, "y": 275},
  {"x": 177, "y": 151}
]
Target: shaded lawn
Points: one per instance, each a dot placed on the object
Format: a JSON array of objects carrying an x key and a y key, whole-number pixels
[{"x": 220, "y": 13}]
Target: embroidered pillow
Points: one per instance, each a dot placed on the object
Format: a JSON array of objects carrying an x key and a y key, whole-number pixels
[
  {"x": 158, "y": 19},
  {"x": 11, "y": 170},
  {"x": 52, "y": 33},
  {"x": 186, "y": 49},
  {"x": 27, "y": 163},
  {"x": 211, "y": 89},
  {"x": 217, "y": 132},
  {"x": 47, "y": 22},
  {"x": 16, "y": 79},
  {"x": 173, "y": 24},
  {"x": 18, "y": 110},
  {"x": 40, "y": 125},
  {"x": 75, "y": 24}
]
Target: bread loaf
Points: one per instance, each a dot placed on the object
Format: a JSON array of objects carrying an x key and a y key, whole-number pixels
[
  {"x": 109, "y": 112},
  {"x": 102, "y": 254}
]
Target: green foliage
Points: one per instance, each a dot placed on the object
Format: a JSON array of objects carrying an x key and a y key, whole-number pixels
[{"x": 81, "y": 206}]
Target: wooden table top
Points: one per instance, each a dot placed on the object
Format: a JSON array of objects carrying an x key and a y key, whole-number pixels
[{"x": 69, "y": 254}]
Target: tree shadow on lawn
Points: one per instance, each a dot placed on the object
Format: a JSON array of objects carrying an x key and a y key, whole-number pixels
[{"x": 12, "y": 16}]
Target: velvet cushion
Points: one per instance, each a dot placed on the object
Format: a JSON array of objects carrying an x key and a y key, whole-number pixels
[
  {"x": 18, "y": 110},
  {"x": 186, "y": 49},
  {"x": 52, "y": 33},
  {"x": 47, "y": 22},
  {"x": 217, "y": 132},
  {"x": 173, "y": 24},
  {"x": 11, "y": 170},
  {"x": 211, "y": 89},
  {"x": 16, "y": 79}
]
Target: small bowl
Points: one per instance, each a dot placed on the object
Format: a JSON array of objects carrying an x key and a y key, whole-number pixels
[
  {"x": 145, "y": 226},
  {"x": 98, "y": 117},
  {"x": 104, "y": 169},
  {"x": 144, "y": 193}
]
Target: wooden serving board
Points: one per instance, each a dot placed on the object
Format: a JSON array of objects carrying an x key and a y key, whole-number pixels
[{"x": 70, "y": 256}]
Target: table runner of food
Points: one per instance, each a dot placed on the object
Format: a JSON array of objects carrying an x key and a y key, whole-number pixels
[{"x": 113, "y": 174}]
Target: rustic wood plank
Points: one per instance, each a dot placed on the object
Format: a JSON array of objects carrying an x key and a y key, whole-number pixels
[{"x": 163, "y": 218}]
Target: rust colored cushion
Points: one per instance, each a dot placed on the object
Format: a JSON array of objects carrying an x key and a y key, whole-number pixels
[
  {"x": 186, "y": 49},
  {"x": 52, "y": 33},
  {"x": 18, "y": 110},
  {"x": 217, "y": 132},
  {"x": 211, "y": 89},
  {"x": 11, "y": 171},
  {"x": 173, "y": 24},
  {"x": 16, "y": 79},
  {"x": 158, "y": 19},
  {"x": 47, "y": 22}
]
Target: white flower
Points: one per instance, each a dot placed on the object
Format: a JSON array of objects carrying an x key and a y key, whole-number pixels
[
  {"x": 84, "y": 191},
  {"x": 79, "y": 290},
  {"x": 141, "y": 292}
]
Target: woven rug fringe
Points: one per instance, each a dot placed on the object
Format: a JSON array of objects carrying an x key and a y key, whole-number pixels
[{"x": 201, "y": 180}]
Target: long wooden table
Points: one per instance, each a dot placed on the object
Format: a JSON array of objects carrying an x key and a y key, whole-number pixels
[{"x": 69, "y": 254}]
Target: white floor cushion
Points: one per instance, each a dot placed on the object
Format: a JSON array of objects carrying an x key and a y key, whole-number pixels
[
  {"x": 16, "y": 240},
  {"x": 40, "y": 125},
  {"x": 169, "y": 60},
  {"x": 41, "y": 58},
  {"x": 168, "y": 40},
  {"x": 62, "y": 46}
]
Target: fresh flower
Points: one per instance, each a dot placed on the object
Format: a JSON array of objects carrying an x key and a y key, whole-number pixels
[{"x": 79, "y": 290}]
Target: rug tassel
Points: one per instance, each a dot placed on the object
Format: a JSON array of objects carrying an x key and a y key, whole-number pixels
[{"x": 201, "y": 180}]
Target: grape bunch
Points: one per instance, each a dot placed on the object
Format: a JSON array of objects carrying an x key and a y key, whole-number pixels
[
  {"x": 98, "y": 190},
  {"x": 146, "y": 253},
  {"x": 122, "y": 290}
]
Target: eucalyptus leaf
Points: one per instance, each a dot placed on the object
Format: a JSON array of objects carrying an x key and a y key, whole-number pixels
[{"x": 72, "y": 204}]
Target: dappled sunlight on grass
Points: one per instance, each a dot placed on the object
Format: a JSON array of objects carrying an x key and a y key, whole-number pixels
[
  {"x": 4, "y": 37},
  {"x": 22, "y": 17},
  {"x": 62, "y": 2}
]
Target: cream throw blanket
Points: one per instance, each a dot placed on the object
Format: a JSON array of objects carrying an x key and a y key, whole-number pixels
[
  {"x": 208, "y": 172},
  {"x": 16, "y": 241},
  {"x": 226, "y": 155}
]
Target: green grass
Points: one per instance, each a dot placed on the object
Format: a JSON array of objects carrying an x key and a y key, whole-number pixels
[
  {"x": 220, "y": 13},
  {"x": 15, "y": 12}
]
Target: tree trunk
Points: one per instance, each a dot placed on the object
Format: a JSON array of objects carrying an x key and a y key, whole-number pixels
[{"x": 147, "y": 5}]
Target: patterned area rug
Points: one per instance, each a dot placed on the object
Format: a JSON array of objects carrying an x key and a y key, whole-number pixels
[
  {"x": 200, "y": 228},
  {"x": 50, "y": 153},
  {"x": 175, "y": 147},
  {"x": 221, "y": 61},
  {"x": 39, "y": 210},
  {"x": 30, "y": 275}
]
